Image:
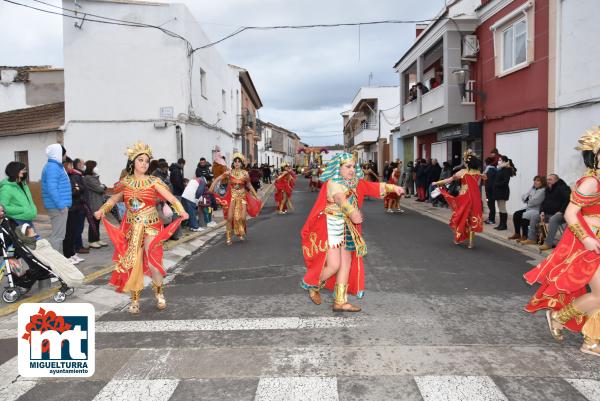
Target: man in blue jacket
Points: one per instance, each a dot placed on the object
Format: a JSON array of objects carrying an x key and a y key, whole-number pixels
[{"x": 56, "y": 193}]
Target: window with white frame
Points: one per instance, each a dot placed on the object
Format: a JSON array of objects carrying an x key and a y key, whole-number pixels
[
  {"x": 224, "y": 100},
  {"x": 203, "y": 88},
  {"x": 514, "y": 45}
]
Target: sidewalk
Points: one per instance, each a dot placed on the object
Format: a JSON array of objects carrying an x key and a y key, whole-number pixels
[
  {"x": 98, "y": 262},
  {"x": 501, "y": 237}
]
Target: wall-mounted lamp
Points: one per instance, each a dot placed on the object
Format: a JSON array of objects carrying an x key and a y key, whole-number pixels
[{"x": 462, "y": 77}]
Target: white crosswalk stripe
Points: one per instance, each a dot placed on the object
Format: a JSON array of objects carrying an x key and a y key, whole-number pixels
[
  {"x": 297, "y": 389},
  {"x": 11, "y": 385},
  {"x": 589, "y": 388},
  {"x": 459, "y": 388},
  {"x": 142, "y": 390}
]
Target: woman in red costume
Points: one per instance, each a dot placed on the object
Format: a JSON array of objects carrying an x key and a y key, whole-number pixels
[
  {"x": 391, "y": 202},
  {"x": 467, "y": 208},
  {"x": 573, "y": 265},
  {"x": 332, "y": 245},
  {"x": 239, "y": 200},
  {"x": 138, "y": 241},
  {"x": 284, "y": 185}
]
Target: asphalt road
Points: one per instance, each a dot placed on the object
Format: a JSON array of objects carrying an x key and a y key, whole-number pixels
[{"x": 439, "y": 322}]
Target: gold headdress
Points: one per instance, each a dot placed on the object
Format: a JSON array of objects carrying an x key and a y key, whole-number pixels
[
  {"x": 284, "y": 165},
  {"x": 590, "y": 140},
  {"x": 238, "y": 155},
  {"x": 139, "y": 148},
  {"x": 468, "y": 155}
]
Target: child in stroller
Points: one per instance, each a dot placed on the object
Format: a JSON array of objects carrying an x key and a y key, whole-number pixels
[{"x": 18, "y": 243}]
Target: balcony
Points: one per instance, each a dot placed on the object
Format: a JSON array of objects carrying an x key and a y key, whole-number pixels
[
  {"x": 411, "y": 110},
  {"x": 434, "y": 99},
  {"x": 367, "y": 133}
]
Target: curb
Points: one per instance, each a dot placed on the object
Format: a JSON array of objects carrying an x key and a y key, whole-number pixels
[
  {"x": 519, "y": 248},
  {"x": 103, "y": 270}
]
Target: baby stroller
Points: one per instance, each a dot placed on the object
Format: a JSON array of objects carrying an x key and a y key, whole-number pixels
[{"x": 40, "y": 262}]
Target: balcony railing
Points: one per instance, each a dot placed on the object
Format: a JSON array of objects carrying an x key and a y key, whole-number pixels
[
  {"x": 367, "y": 125},
  {"x": 469, "y": 97},
  {"x": 411, "y": 110},
  {"x": 432, "y": 100}
]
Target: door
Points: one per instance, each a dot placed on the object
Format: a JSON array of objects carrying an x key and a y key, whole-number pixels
[
  {"x": 439, "y": 151},
  {"x": 522, "y": 148}
]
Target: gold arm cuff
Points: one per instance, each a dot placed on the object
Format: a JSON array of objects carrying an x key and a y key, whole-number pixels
[
  {"x": 347, "y": 208},
  {"x": 107, "y": 207},
  {"x": 178, "y": 208},
  {"x": 578, "y": 231}
]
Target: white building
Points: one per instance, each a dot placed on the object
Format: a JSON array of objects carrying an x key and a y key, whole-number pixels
[
  {"x": 368, "y": 125},
  {"x": 572, "y": 79},
  {"x": 124, "y": 84},
  {"x": 28, "y": 86}
]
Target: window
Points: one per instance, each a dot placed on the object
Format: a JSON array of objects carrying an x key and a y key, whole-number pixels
[
  {"x": 224, "y": 100},
  {"x": 203, "y": 82},
  {"x": 514, "y": 45}
]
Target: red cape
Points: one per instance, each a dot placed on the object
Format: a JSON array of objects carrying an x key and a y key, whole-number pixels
[
  {"x": 314, "y": 241},
  {"x": 467, "y": 209}
]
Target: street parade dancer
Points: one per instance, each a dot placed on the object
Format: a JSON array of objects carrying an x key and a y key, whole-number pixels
[
  {"x": 391, "y": 202},
  {"x": 573, "y": 265},
  {"x": 467, "y": 209},
  {"x": 239, "y": 200},
  {"x": 315, "y": 172},
  {"x": 138, "y": 241},
  {"x": 332, "y": 244},
  {"x": 284, "y": 185}
]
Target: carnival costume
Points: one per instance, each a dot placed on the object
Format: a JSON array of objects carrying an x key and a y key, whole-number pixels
[
  {"x": 467, "y": 208},
  {"x": 141, "y": 221},
  {"x": 315, "y": 173},
  {"x": 240, "y": 197},
  {"x": 284, "y": 186},
  {"x": 565, "y": 273},
  {"x": 329, "y": 226},
  {"x": 391, "y": 202}
]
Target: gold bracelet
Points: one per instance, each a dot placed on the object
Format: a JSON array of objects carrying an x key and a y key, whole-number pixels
[
  {"x": 178, "y": 208},
  {"x": 347, "y": 208},
  {"x": 107, "y": 207},
  {"x": 578, "y": 231},
  {"x": 389, "y": 188}
]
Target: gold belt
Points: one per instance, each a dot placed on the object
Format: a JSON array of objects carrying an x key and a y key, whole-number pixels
[{"x": 148, "y": 216}]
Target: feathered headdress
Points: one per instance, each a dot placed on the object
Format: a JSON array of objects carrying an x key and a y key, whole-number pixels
[
  {"x": 139, "y": 148},
  {"x": 468, "y": 155},
  {"x": 590, "y": 140}
]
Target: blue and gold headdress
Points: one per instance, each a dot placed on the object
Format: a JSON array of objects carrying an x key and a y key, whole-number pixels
[{"x": 332, "y": 171}]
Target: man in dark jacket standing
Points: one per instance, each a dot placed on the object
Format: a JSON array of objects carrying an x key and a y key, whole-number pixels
[
  {"x": 552, "y": 210},
  {"x": 204, "y": 169},
  {"x": 490, "y": 178},
  {"x": 435, "y": 170},
  {"x": 177, "y": 177}
]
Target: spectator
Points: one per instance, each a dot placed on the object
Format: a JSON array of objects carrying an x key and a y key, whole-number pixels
[
  {"x": 56, "y": 193},
  {"x": 446, "y": 173},
  {"x": 78, "y": 169},
  {"x": 79, "y": 165},
  {"x": 204, "y": 170},
  {"x": 501, "y": 189},
  {"x": 552, "y": 210},
  {"x": 95, "y": 190},
  {"x": 387, "y": 171},
  {"x": 74, "y": 213},
  {"x": 489, "y": 178},
  {"x": 422, "y": 174},
  {"x": 422, "y": 88},
  {"x": 195, "y": 189},
  {"x": 433, "y": 176},
  {"x": 162, "y": 172},
  {"x": 255, "y": 176},
  {"x": 409, "y": 179},
  {"x": 533, "y": 199},
  {"x": 412, "y": 93},
  {"x": 266, "y": 171},
  {"x": 495, "y": 157},
  {"x": 152, "y": 167},
  {"x": 433, "y": 83},
  {"x": 15, "y": 194},
  {"x": 176, "y": 176}
]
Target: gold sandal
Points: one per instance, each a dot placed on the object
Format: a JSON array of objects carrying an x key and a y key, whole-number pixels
[
  {"x": 556, "y": 333},
  {"x": 134, "y": 306},
  {"x": 161, "y": 303},
  {"x": 590, "y": 347}
]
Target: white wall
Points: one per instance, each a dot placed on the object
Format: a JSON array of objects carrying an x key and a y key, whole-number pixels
[
  {"x": 12, "y": 96},
  {"x": 578, "y": 58},
  {"x": 34, "y": 144}
]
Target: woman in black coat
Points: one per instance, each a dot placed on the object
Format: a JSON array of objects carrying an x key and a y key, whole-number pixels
[{"x": 501, "y": 191}]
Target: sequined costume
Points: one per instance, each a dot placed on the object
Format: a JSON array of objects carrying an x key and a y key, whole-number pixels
[{"x": 284, "y": 186}]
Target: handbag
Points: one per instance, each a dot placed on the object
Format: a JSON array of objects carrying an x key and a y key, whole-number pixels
[{"x": 167, "y": 211}]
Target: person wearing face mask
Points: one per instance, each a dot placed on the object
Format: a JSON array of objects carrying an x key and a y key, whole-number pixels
[
  {"x": 96, "y": 191},
  {"x": 15, "y": 194},
  {"x": 332, "y": 244}
]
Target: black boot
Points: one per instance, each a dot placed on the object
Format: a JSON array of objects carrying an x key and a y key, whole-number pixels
[{"x": 502, "y": 226}]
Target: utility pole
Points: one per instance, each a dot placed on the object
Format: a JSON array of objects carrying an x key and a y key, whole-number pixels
[{"x": 370, "y": 78}]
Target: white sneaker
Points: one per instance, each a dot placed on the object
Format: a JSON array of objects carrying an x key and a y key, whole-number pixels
[
  {"x": 196, "y": 230},
  {"x": 73, "y": 260},
  {"x": 212, "y": 224},
  {"x": 78, "y": 258},
  {"x": 95, "y": 245},
  {"x": 101, "y": 243}
]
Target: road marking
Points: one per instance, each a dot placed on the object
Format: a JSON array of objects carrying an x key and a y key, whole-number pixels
[
  {"x": 151, "y": 390},
  {"x": 459, "y": 388},
  {"x": 589, "y": 388},
  {"x": 11, "y": 385},
  {"x": 276, "y": 323},
  {"x": 297, "y": 388}
]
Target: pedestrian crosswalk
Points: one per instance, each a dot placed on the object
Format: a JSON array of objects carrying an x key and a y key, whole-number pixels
[{"x": 297, "y": 388}]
